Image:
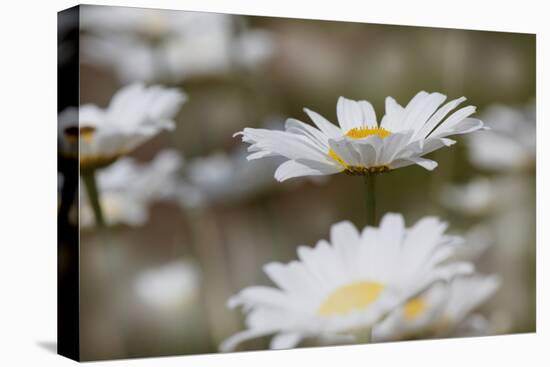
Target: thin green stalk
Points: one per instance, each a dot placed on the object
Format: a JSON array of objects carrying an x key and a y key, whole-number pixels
[
  {"x": 370, "y": 185},
  {"x": 363, "y": 336},
  {"x": 93, "y": 195}
]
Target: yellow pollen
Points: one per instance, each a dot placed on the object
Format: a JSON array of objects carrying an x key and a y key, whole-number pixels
[
  {"x": 364, "y": 132},
  {"x": 414, "y": 308},
  {"x": 72, "y": 133},
  {"x": 349, "y": 298}
]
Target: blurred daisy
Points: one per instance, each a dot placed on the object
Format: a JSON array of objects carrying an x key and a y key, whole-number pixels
[
  {"x": 441, "y": 311},
  {"x": 151, "y": 45},
  {"x": 135, "y": 114},
  {"x": 483, "y": 196},
  {"x": 223, "y": 177},
  {"x": 511, "y": 143},
  {"x": 127, "y": 189},
  {"x": 344, "y": 287},
  {"x": 169, "y": 287},
  {"x": 361, "y": 145}
]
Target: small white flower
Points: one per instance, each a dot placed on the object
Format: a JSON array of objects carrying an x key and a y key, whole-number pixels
[
  {"x": 135, "y": 114},
  {"x": 349, "y": 284},
  {"x": 169, "y": 287},
  {"x": 222, "y": 177},
  {"x": 360, "y": 144},
  {"x": 439, "y": 311},
  {"x": 128, "y": 187},
  {"x": 151, "y": 44},
  {"x": 510, "y": 145},
  {"x": 483, "y": 196}
]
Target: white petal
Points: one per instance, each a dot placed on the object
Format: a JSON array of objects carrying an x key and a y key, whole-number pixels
[
  {"x": 331, "y": 130},
  {"x": 345, "y": 150},
  {"x": 451, "y": 121},
  {"x": 369, "y": 116},
  {"x": 291, "y": 169},
  {"x": 229, "y": 344},
  {"x": 413, "y": 108},
  {"x": 438, "y": 116},
  {"x": 394, "y": 115},
  {"x": 285, "y": 340},
  {"x": 298, "y": 127},
  {"x": 350, "y": 114},
  {"x": 430, "y": 105}
]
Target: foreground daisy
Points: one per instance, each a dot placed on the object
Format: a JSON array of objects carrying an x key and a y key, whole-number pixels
[
  {"x": 360, "y": 145},
  {"x": 441, "y": 311},
  {"x": 135, "y": 114},
  {"x": 344, "y": 287},
  {"x": 128, "y": 188}
]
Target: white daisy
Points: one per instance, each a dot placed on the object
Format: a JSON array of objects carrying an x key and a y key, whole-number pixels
[
  {"x": 127, "y": 188},
  {"x": 347, "y": 285},
  {"x": 361, "y": 145},
  {"x": 170, "y": 287},
  {"x": 511, "y": 143},
  {"x": 483, "y": 195},
  {"x": 223, "y": 177},
  {"x": 440, "y": 311},
  {"x": 151, "y": 44},
  {"x": 135, "y": 114}
]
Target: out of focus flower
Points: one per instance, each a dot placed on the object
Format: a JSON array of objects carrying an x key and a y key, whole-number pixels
[
  {"x": 360, "y": 145},
  {"x": 170, "y": 287},
  {"x": 127, "y": 189},
  {"x": 135, "y": 114},
  {"x": 510, "y": 144},
  {"x": 161, "y": 45},
  {"x": 222, "y": 177},
  {"x": 347, "y": 285},
  {"x": 483, "y": 196},
  {"x": 440, "y": 311}
]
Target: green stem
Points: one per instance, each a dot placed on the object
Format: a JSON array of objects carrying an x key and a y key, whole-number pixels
[
  {"x": 363, "y": 336},
  {"x": 370, "y": 184},
  {"x": 93, "y": 195}
]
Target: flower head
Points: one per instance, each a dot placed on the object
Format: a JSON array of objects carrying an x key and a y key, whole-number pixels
[
  {"x": 439, "y": 311},
  {"x": 166, "y": 45},
  {"x": 511, "y": 143},
  {"x": 170, "y": 287},
  {"x": 360, "y": 144},
  {"x": 99, "y": 136},
  {"x": 349, "y": 284},
  {"x": 128, "y": 187}
]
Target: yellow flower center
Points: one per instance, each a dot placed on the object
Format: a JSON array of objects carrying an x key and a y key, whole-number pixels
[
  {"x": 365, "y": 132},
  {"x": 349, "y": 298},
  {"x": 414, "y": 308},
  {"x": 72, "y": 133}
]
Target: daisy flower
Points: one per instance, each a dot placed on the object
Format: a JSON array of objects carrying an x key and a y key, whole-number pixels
[
  {"x": 127, "y": 188},
  {"x": 135, "y": 114},
  {"x": 511, "y": 143},
  {"x": 169, "y": 287},
  {"x": 343, "y": 287},
  {"x": 440, "y": 311},
  {"x": 360, "y": 145},
  {"x": 223, "y": 177},
  {"x": 167, "y": 45}
]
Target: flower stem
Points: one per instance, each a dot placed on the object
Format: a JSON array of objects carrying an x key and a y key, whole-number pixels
[
  {"x": 363, "y": 336},
  {"x": 93, "y": 195},
  {"x": 370, "y": 184}
]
